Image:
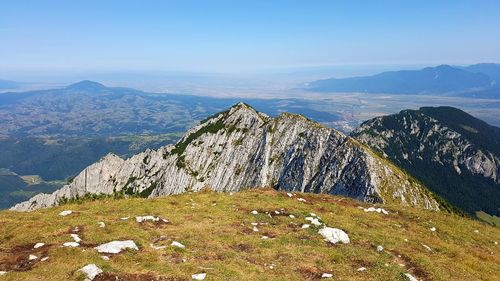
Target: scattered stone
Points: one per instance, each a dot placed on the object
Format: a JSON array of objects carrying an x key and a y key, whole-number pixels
[
  {"x": 433, "y": 229},
  {"x": 91, "y": 270},
  {"x": 361, "y": 269},
  {"x": 326, "y": 275},
  {"x": 141, "y": 219},
  {"x": 277, "y": 212},
  {"x": 410, "y": 277},
  {"x": 177, "y": 244},
  {"x": 124, "y": 218},
  {"x": 32, "y": 257},
  {"x": 380, "y": 248},
  {"x": 76, "y": 238},
  {"x": 254, "y": 212},
  {"x": 301, "y": 200},
  {"x": 38, "y": 245},
  {"x": 65, "y": 213},
  {"x": 312, "y": 214},
  {"x": 101, "y": 224},
  {"x": 255, "y": 229},
  {"x": 476, "y": 231},
  {"x": 289, "y": 194},
  {"x": 264, "y": 237},
  {"x": 377, "y": 210},
  {"x": 406, "y": 240},
  {"x": 495, "y": 242},
  {"x": 3, "y": 273},
  {"x": 427, "y": 247},
  {"x": 334, "y": 235},
  {"x": 44, "y": 258},
  {"x": 106, "y": 258},
  {"x": 292, "y": 216},
  {"x": 71, "y": 244},
  {"x": 305, "y": 225},
  {"x": 254, "y": 223},
  {"x": 314, "y": 221},
  {"x": 115, "y": 247},
  {"x": 199, "y": 276}
]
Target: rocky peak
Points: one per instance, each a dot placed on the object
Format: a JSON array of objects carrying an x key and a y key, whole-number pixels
[
  {"x": 453, "y": 153},
  {"x": 241, "y": 148}
]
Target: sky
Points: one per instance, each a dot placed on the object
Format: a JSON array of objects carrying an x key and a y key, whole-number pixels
[{"x": 243, "y": 36}]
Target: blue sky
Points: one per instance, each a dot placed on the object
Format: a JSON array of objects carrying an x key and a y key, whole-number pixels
[{"x": 239, "y": 36}]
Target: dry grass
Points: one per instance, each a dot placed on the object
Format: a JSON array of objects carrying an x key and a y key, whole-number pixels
[{"x": 216, "y": 229}]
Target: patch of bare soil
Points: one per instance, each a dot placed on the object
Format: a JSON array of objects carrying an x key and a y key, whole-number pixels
[
  {"x": 17, "y": 258},
  {"x": 107, "y": 276}
]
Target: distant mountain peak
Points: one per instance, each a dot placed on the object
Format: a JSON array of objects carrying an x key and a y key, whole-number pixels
[{"x": 86, "y": 85}]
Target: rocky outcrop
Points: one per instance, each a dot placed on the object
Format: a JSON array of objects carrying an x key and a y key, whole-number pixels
[
  {"x": 241, "y": 148},
  {"x": 453, "y": 153}
]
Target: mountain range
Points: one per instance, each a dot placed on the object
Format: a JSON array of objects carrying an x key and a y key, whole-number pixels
[
  {"x": 479, "y": 81},
  {"x": 241, "y": 148}
]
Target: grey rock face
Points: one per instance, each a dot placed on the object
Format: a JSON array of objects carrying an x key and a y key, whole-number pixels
[{"x": 240, "y": 149}]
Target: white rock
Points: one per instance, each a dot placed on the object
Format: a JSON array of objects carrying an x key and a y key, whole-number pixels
[
  {"x": 254, "y": 212},
  {"x": 254, "y": 223},
  {"x": 76, "y": 238},
  {"x": 65, "y": 213},
  {"x": 495, "y": 242},
  {"x": 44, "y": 258},
  {"x": 326, "y": 275},
  {"x": 91, "y": 270},
  {"x": 361, "y": 269},
  {"x": 38, "y": 245},
  {"x": 177, "y": 244},
  {"x": 141, "y": 219},
  {"x": 476, "y": 231},
  {"x": 312, "y": 214},
  {"x": 377, "y": 210},
  {"x": 114, "y": 247},
  {"x": 289, "y": 194},
  {"x": 334, "y": 235},
  {"x": 410, "y": 277},
  {"x": 106, "y": 258},
  {"x": 3, "y": 273},
  {"x": 433, "y": 229},
  {"x": 264, "y": 237},
  {"x": 71, "y": 244},
  {"x": 314, "y": 221},
  {"x": 305, "y": 225},
  {"x": 380, "y": 248},
  {"x": 124, "y": 218},
  {"x": 277, "y": 212},
  {"x": 199, "y": 276},
  {"x": 101, "y": 224},
  {"x": 32, "y": 257},
  {"x": 292, "y": 216},
  {"x": 427, "y": 247},
  {"x": 255, "y": 229},
  {"x": 301, "y": 200}
]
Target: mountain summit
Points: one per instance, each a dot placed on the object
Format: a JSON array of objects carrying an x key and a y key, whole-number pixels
[
  {"x": 86, "y": 85},
  {"x": 241, "y": 148}
]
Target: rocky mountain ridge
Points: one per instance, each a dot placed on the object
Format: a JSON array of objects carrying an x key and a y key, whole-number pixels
[
  {"x": 241, "y": 148},
  {"x": 454, "y": 154}
]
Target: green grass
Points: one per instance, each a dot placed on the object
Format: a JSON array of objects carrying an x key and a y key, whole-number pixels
[{"x": 216, "y": 229}]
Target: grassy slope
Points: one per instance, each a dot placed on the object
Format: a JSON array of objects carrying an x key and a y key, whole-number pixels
[{"x": 216, "y": 229}]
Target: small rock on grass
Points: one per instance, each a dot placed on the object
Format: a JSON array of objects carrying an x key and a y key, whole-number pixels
[
  {"x": 199, "y": 276},
  {"x": 380, "y": 248},
  {"x": 326, "y": 275},
  {"x": 410, "y": 277},
  {"x": 91, "y": 271},
  {"x": 254, "y": 212},
  {"x": 3, "y": 273},
  {"x": 115, "y": 247},
  {"x": 361, "y": 269},
  {"x": 101, "y": 224},
  {"x": 177, "y": 244},
  {"x": 65, "y": 213},
  {"x": 71, "y": 244},
  {"x": 334, "y": 235},
  {"x": 38, "y": 245},
  {"x": 32, "y": 257}
]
